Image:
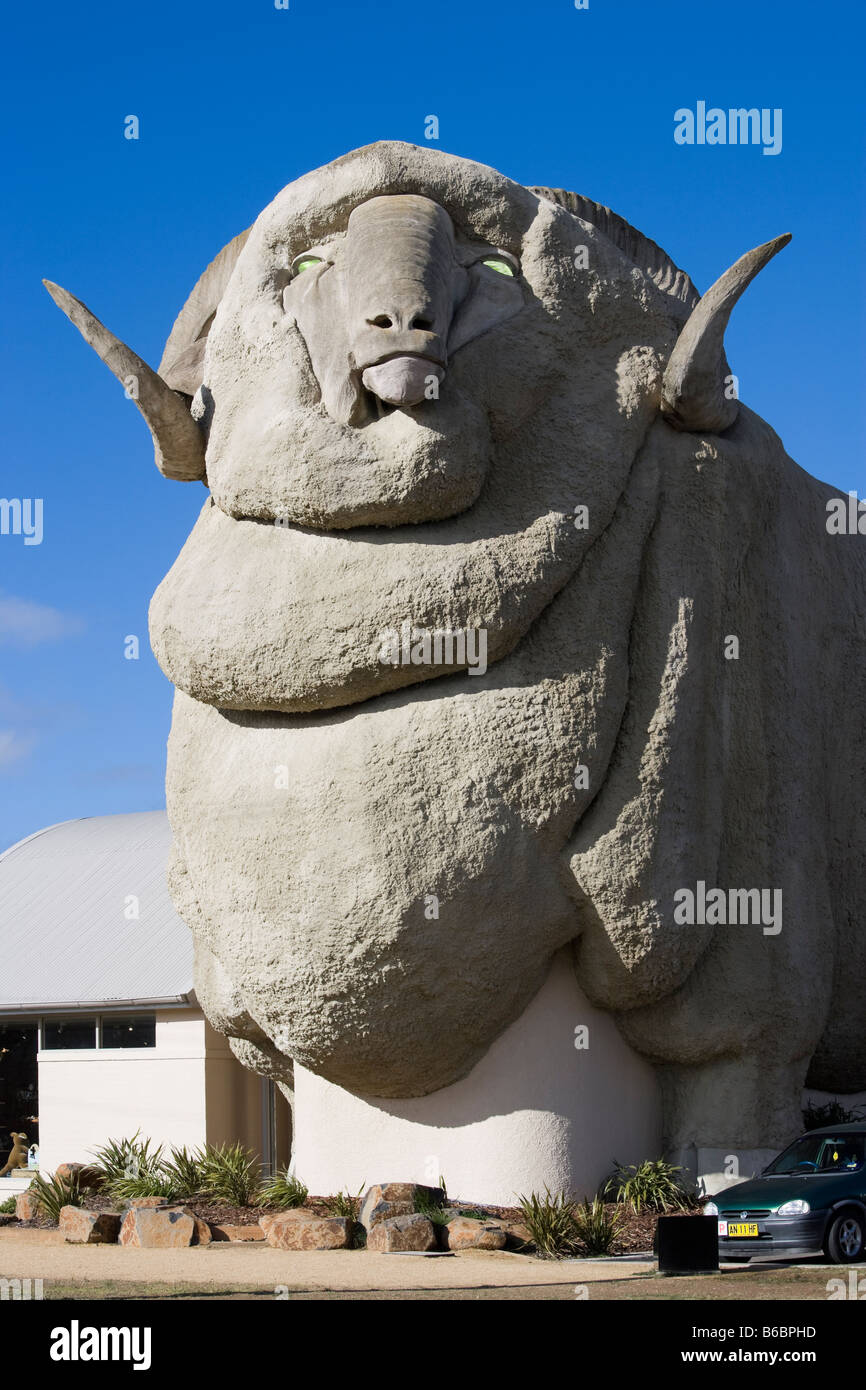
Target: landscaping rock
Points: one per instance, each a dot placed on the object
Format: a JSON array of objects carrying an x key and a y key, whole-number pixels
[
  {"x": 145, "y": 1203},
  {"x": 293, "y": 1214},
  {"x": 517, "y": 1236},
  {"x": 82, "y": 1227},
  {"x": 395, "y": 1233},
  {"x": 202, "y": 1234},
  {"x": 391, "y": 1199},
  {"x": 465, "y": 1233},
  {"x": 383, "y": 1211},
  {"x": 153, "y": 1228},
  {"x": 88, "y": 1176},
  {"x": 227, "y": 1231},
  {"x": 300, "y": 1230},
  {"x": 26, "y": 1206}
]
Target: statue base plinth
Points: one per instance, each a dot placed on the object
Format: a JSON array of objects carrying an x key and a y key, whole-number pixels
[{"x": 536, "y": 1111}]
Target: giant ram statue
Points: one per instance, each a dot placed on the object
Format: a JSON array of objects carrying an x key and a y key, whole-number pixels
[{"x": 443, "y": 416}]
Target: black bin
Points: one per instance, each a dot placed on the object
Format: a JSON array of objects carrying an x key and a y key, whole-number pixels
[{"x": 687, "y": 1244}]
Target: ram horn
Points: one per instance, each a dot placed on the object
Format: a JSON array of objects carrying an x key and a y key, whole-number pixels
[
  {"x": 695, "y": 391},
  {"x": 183, "y": 359},
  {"x": 178, "y": 442}
]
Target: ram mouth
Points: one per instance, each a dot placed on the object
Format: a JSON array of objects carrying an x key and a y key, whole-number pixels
[
  {"x": 435, "y": 362},
  {"x": 401, "y": 380}
]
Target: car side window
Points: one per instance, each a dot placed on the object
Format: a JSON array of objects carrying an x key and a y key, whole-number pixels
[{"x": 842, "y": 1154}]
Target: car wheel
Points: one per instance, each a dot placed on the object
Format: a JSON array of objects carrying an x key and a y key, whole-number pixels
[{"x": 846, "y": 1237}]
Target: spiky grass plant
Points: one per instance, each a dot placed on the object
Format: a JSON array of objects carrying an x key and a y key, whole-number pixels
[
  {"x": 433, "y": 1210},
  {"x": 153, "y": 1184},
  {"x": 127, "y": 1158},
  {"x": 282, "y": 1191},
  {"x": 230, "y": 1173},
  {"x": 185, "y": 1171},
  {"x": 832, "y": 1112},
  {"x": 653, "y": 1185},
  {"x": 348, "y": 1205},
  {"x": 597, "y": 1225},
  {"x": 344, "y": 1204},
  {"x": 551, "y": 1221},
  {"x": 53, "y": 1193}
]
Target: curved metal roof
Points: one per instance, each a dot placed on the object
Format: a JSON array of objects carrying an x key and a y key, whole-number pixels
[{"x": 66, "y": 938}]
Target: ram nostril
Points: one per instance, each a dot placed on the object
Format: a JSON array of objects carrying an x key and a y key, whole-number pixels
[
  {"x": 381, "y": 321},
  {"x": 421, "y": 323}
]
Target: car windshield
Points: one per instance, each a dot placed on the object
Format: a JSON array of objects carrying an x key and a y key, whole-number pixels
[{"x": 821, "y": 1153}]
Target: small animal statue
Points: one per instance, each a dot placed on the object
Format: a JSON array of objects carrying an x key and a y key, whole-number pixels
[{"x": 18, "y": 1154}]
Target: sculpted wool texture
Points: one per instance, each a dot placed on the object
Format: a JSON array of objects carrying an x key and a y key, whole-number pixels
[{"x": 421, "y": 394}]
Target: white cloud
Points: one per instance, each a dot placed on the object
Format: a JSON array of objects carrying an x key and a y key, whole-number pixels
[
  {"x": 14, "y": 746},
  {"x": 24, "y": 623}
]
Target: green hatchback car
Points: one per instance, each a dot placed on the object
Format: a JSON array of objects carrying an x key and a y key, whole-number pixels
[{"x": 808, "y": 1201}]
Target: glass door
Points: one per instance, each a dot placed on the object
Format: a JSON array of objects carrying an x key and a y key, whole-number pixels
[{"x": 19, "y": 1085}]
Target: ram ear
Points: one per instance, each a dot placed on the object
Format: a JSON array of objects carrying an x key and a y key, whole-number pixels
[
  {"x": 183, "y": 358},
  {"x": 178, "y": 442},
  {"x": 693, "y": 392}
]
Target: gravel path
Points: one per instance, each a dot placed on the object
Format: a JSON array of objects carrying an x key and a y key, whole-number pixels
[{"x": 45, "y": 1255}]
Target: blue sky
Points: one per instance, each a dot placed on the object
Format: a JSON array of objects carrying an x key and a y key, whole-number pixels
[{"x": 234, "y": 101}]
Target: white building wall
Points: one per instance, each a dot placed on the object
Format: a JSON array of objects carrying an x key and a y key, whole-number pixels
[
  {"x": 233, "y": 1097},
  {"x": 89, "y": 1096}
]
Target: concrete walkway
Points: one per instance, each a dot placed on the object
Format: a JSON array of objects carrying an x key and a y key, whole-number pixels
[{"x": 45, "y": 1255}]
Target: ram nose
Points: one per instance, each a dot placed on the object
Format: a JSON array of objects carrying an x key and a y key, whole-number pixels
[{"x": 404, "y": 282}]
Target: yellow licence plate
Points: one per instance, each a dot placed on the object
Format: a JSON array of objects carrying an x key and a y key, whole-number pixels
[{"x": 742, "y": 1228}]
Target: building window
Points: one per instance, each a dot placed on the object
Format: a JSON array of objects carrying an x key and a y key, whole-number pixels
[
  {"x": 65, "y": 1033},
  {"x": 130, "y": 1030}
]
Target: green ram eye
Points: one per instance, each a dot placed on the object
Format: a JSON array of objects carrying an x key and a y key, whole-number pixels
[
  {"x": 302, "y": 263},
  {"x": 502, "y": 267}
]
